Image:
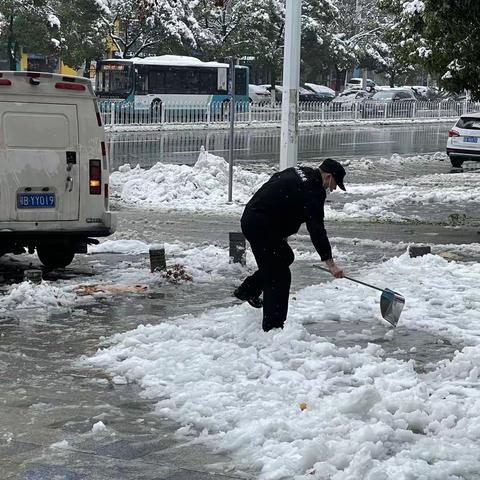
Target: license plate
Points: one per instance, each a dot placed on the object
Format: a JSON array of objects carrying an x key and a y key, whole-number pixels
[
  {"x": 470, "y": 139},
  {"x": 36, "y": 200}
]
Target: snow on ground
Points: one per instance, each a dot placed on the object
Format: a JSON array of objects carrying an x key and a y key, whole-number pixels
[
  {"x": 295, "y": 406},
  {"x": 395, "y": 201},
  {"x": 27, "y": 295},
  {"x": 204, "y": 188},
  {"x": 201, "y": 188}
]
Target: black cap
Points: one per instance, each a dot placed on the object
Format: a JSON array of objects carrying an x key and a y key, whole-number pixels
[{"x": 336, "y": 170}]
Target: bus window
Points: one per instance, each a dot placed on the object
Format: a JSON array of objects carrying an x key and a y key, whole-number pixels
[
  {"x": 156, "y": 82},
  {"x": 208, "y": 81},
  {"x": 114, "y": 80},
  {"x": 141, "y": 83},
  {"x": 240, "y": 81},
  {"x": 175, "y": 81}
]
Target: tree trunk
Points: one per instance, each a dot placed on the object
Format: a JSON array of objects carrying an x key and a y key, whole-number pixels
[
  {"x": 88, "y": 63},
  {"x": 392, "y": 79},
  {"x": 273, "y": 77},
  {"x": 338, "y": 79},
  {"x": 11, "y": 46}
]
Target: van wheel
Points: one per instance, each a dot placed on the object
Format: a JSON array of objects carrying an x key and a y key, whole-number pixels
[
  {"x": 53, "y": 258},
  {"x": 456, "y": 163}
]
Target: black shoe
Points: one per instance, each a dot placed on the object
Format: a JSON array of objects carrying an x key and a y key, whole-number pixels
[{"x": 255, "y": 302}]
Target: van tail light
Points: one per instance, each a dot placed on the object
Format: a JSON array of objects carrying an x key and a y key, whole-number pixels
[
  {"x": 70, "y": 86},
  {"x": 95, "y": 179},
  {"x": 104, "y": 149},
  {"x": 99, "y": 119},
  {"x": 453, "y": 133},
  {"x": 5, "y": 82}
]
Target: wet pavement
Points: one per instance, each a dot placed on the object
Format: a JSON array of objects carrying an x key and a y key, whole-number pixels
[
  {"x": 50, "y": 404},
  {"x": 263, "y": 146}
]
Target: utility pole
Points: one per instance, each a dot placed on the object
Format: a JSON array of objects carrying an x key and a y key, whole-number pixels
[
  {"x": 291, "y": 83},
  {"x": 232, "y": 128}
]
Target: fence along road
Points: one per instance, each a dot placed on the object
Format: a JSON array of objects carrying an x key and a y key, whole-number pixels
[{"x": 179, "y": 115}]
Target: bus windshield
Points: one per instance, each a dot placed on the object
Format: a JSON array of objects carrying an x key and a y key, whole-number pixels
[{"x": 114, "y": 80}]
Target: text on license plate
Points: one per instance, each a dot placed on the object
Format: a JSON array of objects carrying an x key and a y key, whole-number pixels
[
  {"x": 470, "y": 139},
  {"x": 36, "y": 200}
]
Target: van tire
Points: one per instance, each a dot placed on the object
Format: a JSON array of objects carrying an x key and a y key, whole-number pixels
[
  {"x": 53, "y": 258},
  {"x": 456, "y": 162}
]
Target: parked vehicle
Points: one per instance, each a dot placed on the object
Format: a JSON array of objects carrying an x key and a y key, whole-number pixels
[
  {"x": 349, "y": 100},
  {"x": 304, "y": 95},
  {"x": 258, "y": 94},
  {"x": 54, "y": 169},
  {"x": 357, "y": 84},
  {"x": 324, "y": 94},
  {"x": 396, "y": 102},
  {"x": 464, "y": 140}
]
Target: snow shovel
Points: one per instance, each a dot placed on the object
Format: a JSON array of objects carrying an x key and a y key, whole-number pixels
[{"x": 391, "y": 303}]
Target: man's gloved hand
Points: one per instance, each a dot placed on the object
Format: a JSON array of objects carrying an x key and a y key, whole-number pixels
[{"x": 335, "y": 270}]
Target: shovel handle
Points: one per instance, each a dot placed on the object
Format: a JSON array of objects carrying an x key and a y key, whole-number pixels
[{"x": 352, "y": 279}]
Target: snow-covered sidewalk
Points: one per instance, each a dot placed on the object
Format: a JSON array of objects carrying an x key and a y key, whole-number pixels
[{"x": 293, "y": 405}]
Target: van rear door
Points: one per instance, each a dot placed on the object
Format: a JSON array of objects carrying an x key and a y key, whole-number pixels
[{"x": 39, "y": 162}]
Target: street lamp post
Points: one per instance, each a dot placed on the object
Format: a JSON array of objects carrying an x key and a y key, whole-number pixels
[{"x": 291, "y": 81}]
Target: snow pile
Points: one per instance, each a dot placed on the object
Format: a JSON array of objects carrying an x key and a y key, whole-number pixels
[
  {"x": 428, "y": 197},
  {"x": 395, "y": 160},
  {"x": 203, "y": 187},
  {"x": 293, "y": 405},
  {"x": 98, "y": 427},
  {"x": 29, "y": 295},
  {"x": 126, "y": 247},
  {"x": 205, "y": 263}
]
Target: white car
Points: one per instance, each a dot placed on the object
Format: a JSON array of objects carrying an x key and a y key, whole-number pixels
[
  {"x": 349, "y": 100},
  {"x": 464, "y": 140},
  {"x": 258, "y": 94},
  {"x": 357, "y": 84}
]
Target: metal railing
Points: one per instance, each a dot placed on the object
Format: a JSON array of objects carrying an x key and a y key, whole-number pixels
[{"x": 215, "y": 113}]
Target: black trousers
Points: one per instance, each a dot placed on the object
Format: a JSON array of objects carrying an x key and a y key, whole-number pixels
[{"x": 274, "y": 257}]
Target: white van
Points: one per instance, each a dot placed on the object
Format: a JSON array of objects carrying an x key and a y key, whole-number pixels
[{"x": 54, "y": 168}]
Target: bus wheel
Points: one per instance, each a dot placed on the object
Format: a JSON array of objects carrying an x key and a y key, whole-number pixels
[
  {"x": 156, "y": 110},
  {"x": 55, "y": 256}
]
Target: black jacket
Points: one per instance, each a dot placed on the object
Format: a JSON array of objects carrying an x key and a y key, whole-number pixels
[{"x": 290, "y": 198}]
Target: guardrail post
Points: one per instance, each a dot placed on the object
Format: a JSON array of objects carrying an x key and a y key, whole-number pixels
[
  {"x": 414, "y": 110},
  {"x": 323, "y": 113},
  {"x": 209, "y": 112},
  {"x": 439, "y": 110},
  {"x": 162, "y": 113},
  {"x": 112, "y": 113}
]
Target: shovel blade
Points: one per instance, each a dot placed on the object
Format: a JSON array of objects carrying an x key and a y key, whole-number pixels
[{"x": 391, "y": 306}]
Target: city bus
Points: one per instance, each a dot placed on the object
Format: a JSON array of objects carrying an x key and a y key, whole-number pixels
[{"x": 167, "y": 81}]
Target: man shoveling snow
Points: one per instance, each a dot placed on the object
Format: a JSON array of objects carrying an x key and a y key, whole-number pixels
[{"x": 276, "y": 211}]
